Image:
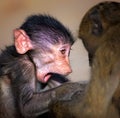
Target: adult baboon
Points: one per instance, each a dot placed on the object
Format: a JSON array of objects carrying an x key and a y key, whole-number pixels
[{"x": 100, "y": 33}]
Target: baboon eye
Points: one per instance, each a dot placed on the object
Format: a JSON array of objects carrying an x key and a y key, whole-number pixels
[{"x": 63, "y": 51}]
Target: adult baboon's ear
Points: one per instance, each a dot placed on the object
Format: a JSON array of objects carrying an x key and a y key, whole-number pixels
[
  {"x": 22, "y": 41},
  {"x": 97, "y": 28}
]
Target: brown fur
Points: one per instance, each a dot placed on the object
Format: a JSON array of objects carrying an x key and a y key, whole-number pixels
[{"x": 100, "y": 33}]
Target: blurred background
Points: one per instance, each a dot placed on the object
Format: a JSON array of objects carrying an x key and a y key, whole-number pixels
[{"x": 69, "y": 12}]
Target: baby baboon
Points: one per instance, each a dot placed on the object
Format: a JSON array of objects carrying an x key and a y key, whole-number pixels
[
  {"x": 100, "y": 33},
  {"x": 40, "y": 53}
]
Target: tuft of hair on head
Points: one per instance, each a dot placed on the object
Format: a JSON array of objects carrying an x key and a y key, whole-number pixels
[{"x": 45, "y": 28}]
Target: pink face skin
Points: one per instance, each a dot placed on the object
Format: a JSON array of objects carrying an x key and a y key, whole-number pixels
[{"x": 55, "y": 61}]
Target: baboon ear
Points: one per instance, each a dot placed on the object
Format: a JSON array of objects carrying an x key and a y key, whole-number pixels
[
  {"x": 97, "y": 28},
  {"x": 22, "y": 41}
]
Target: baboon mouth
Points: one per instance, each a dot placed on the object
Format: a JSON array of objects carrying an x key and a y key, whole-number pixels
[{"x": 47, "y": 77}]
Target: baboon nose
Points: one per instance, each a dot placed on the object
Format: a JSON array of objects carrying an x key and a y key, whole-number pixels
[{"x": 69, "y": 71}]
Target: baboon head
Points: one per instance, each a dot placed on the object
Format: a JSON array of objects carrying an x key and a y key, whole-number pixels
[{"x": 96, "y": 23}]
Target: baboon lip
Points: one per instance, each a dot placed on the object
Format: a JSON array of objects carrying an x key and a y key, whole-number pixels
[{"x": 47, "y": 77}]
